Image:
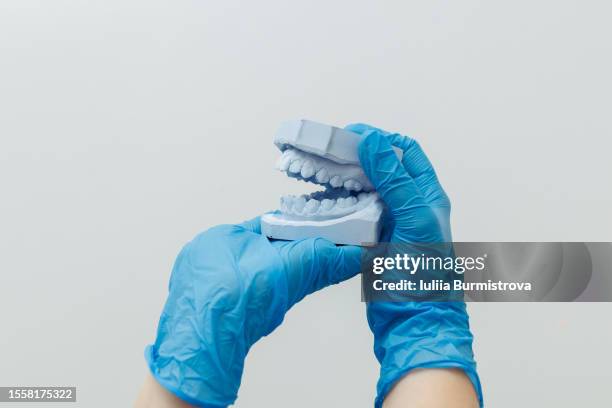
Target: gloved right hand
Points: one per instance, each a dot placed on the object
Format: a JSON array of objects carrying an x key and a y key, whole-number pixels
[
  {"x": 410, "y": 335},
  {"x": 231, "y": 286}
]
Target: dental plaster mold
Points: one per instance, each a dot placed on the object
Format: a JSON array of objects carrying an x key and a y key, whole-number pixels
[{"x": 347, "y": 211}]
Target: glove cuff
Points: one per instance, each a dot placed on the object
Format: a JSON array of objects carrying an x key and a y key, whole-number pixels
[
  {"x": 386, "y": 383},
  {"x": 169, "y": 373},
  {"x": 415, "y": 335}
]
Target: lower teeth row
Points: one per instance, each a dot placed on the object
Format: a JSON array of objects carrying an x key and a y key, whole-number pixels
[{"x": 305, "y": 206}]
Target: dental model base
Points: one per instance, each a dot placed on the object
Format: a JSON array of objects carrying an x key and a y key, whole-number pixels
[{"x": 347, "y": 211}]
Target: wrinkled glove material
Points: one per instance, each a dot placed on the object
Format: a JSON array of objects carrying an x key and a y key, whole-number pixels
[
  {"x": 411, "y": 335},
  {"x": 229, "y": 287}
]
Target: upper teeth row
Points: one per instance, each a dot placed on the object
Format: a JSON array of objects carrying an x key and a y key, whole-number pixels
[{"x": 323, "y": 171}]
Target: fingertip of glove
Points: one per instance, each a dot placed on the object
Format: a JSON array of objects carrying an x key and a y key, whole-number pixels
[
  {"x": 253, "y": 225},
  {"x": 359, "y": 127},
  {"x": 351, "y": 251},
  {"x": 347, "y": 254},
  {"x": 373, "y": 142}
]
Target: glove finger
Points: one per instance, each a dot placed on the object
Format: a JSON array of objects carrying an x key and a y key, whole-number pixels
[
  {"x": 361, "y": 128},
  {"x": 417, "y": 164},
  {"x": 392, "y": 182},
  {"x": 341, "y": 262},
  {"x": 315, "y": 263},
  {"x": 252, "y": 225},
  {"x": 415, "y": 161}
]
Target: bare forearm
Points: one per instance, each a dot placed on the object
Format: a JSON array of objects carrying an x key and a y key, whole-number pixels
[
  {"x": 153, "y": 395},
  {"x": 433, "y": 388}
]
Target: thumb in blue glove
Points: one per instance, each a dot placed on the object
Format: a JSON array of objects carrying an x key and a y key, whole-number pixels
[{"x": 229, "y": 287}]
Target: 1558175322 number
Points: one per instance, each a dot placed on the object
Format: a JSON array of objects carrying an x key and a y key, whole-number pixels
[{"x": 38, "y": 394}]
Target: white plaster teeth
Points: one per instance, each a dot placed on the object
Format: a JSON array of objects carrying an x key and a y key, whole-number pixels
[
  {"x": 284, "y": 162},
  {"x": 335, "y": 181},
  {"x": 322, "y": 171},
  {"x": 296, "y": 166},
  {"x": 308, "y": 169},
  {"x": 298, "y": 204},
  {"x": 315, "y": 169},
  {"x": 322, "y": 176},
  {"x": 327, "y": 204},
  {"x": 353, "y": 185},
  {"x": 346, "y": 202},
  {"x": 311, "y": 206},
  {"x": 286, "y": 202}
]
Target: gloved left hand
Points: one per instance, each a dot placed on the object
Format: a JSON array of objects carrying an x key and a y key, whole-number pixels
[{"x": 229, "y": 287}]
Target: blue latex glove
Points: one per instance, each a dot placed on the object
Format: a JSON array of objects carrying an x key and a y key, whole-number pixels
[
  {"x": 409, "y": 335},
  {"x": 229, "y": 287}
]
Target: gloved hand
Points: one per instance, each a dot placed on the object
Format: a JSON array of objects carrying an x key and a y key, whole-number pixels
[
  {"x": 409, "y": 335},
  {"x": 229, "y": 287}
]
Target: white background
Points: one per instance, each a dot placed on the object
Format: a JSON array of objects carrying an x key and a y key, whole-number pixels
[{"x": 126, "y": 127}]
